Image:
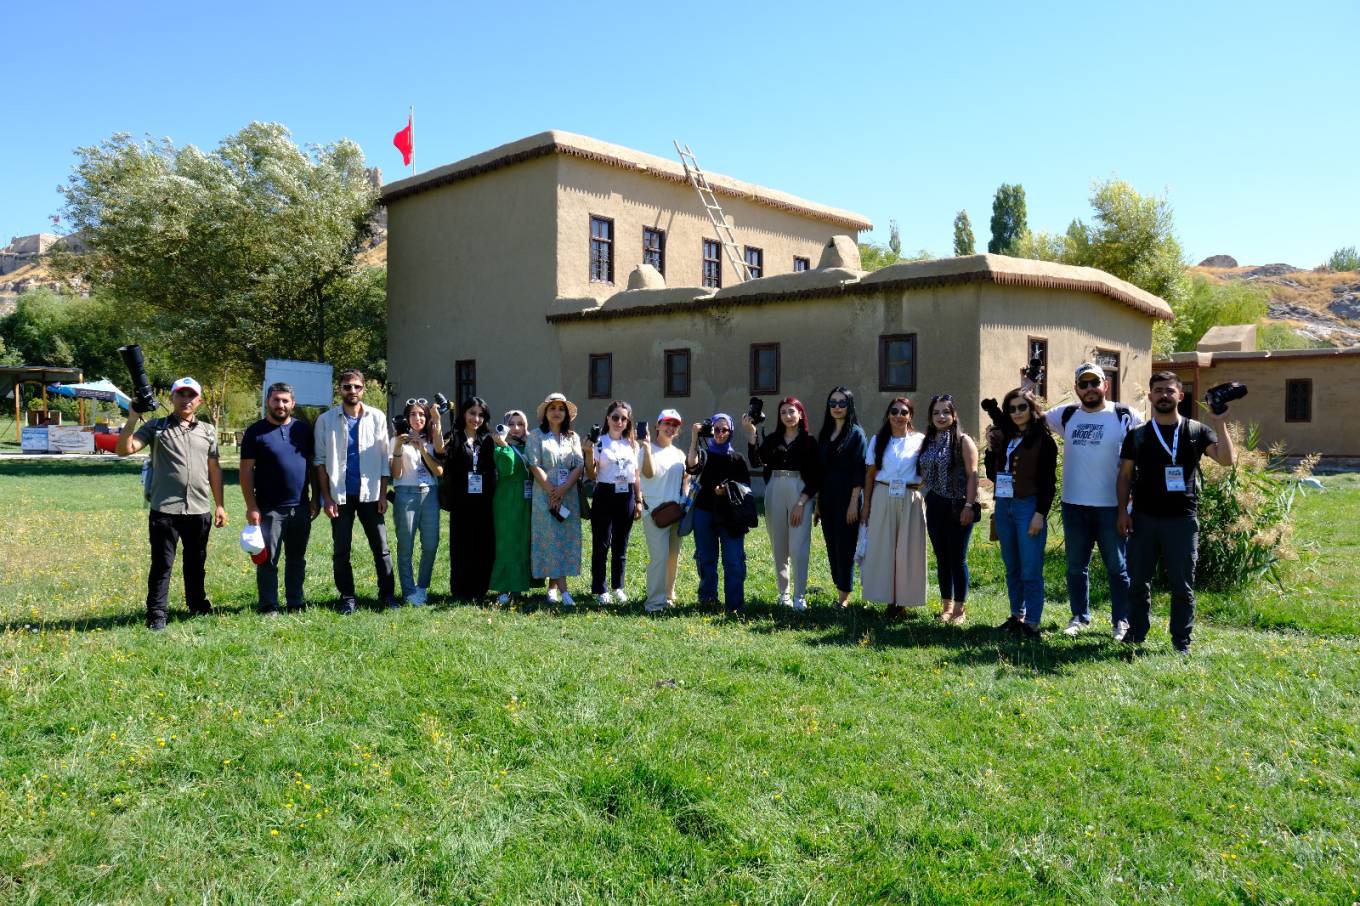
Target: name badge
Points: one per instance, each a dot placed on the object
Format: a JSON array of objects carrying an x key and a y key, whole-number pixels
[
  {"x": 562, "y": 476},
  {"x": 897, "y": 488},
  {"x": 1005, "y": 485},
  {"x": 474, "y": 483},
  {"x": 1175, "y": 478},
  {"x": 621, "y": 487},
  {"x": 528, "y": 490}
]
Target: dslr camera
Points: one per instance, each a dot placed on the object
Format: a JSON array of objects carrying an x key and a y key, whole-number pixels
[
  {"x": 1218, "y": 397},
  {"x": 993, "y": 410},
  {"x": 756, "y": 410},
  {"x": 442, "y": 402},
  {"x": 143, "y": 400},
  {"x": 594, "y": 434},
  {"x": 1035, "y": 370},
  {"x": 401, "y": 424},
  {"x": 706, "y": 428}
]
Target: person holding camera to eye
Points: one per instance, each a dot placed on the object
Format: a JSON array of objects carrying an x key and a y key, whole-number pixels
[
  {"x": 185, "y": 496},
  {"x": 612, "y": 463},
  {"x": 1159, "y": 467},
  {"x": 713, "y": 460},
  {"x": 417, "y": 464},
  {"x": 793, "y": 476}
]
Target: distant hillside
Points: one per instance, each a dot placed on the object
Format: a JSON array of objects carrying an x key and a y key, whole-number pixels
[{"x": 1323, "y": 305}]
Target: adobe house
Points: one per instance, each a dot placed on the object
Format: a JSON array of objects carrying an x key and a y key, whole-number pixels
[{"x": 560, "y": 262}]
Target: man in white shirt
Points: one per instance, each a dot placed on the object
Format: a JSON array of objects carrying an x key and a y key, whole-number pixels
[
  {"x": 353, "y": 449},
  {"x": 1092, "y": 434}
]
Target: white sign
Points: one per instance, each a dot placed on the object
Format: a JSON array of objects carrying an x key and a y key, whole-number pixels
[
  {"x": 33, "y": 440},
  {"x": 311, "y": 381},
  {"x": 70, "y": 440}
]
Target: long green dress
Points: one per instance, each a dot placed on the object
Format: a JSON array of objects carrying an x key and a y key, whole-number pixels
[{"x": 510, "y": 574}]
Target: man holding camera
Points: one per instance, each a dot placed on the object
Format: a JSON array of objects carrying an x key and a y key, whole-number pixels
[
  {"x": 276, "y": 478},
  {"x": 1159, "y": 464},
  {"x": 352, "y": 458},
  {"x": 184, "y": 473}
]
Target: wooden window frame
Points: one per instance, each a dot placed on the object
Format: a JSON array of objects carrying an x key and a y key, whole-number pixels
[
  {"x": 755, "y": 388},
  {"x": 608, "y": 244},
  {"x": 1029, "y": 354},
  {"x": 1111, "y": 374},
  {"x": 672, "y": 391},
  {"x": 660, "y": 250},
  {"x": 608, "y": 359},
  {"x": 884, "y": 385},
  {"x": 754, "y": 270},
  {"x": 716, "y": 261},
  {"x": 1307, "y": 417},
  {"x": 458, "y": 382},
  {"x": 805, "y": 262}
]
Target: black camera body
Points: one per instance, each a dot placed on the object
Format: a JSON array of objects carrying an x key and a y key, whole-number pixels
[
  {"x": 706, "y": 428},
  {"x": 442, "y": 402},
  {"x": 1219, "y": 396},
  {"x": 1035, "y": 370},
  {"x": 993, "y": 410},
  {"x": 756, "y": 410},
  {"x": 143, "y": 400},
  {"x": 401, "y": 424},
  {"x": 594, "y": 434}
]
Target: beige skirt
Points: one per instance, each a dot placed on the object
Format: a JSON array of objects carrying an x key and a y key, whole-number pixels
[{"x": 894, "y": 568}]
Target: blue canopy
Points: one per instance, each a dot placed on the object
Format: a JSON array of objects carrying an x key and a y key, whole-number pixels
[{"x": 102, "y": 389}]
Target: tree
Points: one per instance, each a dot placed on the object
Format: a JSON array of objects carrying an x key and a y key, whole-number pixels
[
  {"x": 1208, "y": 304},
  {"x": 894, "y": 238},
  {"x": 964, "y": 244},
  {"x": 232, "y": 255},
  {"x": 1008, "y": 218},
  {"x": 1344, "y": 259}
]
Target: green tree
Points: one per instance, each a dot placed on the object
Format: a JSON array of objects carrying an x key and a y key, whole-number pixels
[
  {"x": 231, "y": 255},
  {"x": 1209, "y": 304},
  {"x": 964, "y": 244},
  {"x": 1344, "y": 259},
  {"x": 1008, "y": 218},
  {"x": 894, "y": 238}
]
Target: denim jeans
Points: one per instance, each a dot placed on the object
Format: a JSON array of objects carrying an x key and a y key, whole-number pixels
[
  {"x": 1175, "y": 541},
  {"x": 286, "y": 532},
  {"x": 709, "y": 539},
  {"x": 416, "y": 512},
  {"x": 1084, "y": 527},
  {"x": 1023, "y": 556}
]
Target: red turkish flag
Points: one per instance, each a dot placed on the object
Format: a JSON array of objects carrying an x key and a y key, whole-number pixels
[{"x": 405, "y": 142}]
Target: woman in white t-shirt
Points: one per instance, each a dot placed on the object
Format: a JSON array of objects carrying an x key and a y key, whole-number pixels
[
  {"x": 664, "y": 480},
  {"x": 612, "y": 462},
  {"x": 894, "y": 568},
  {"x": 417, "y": 463}
]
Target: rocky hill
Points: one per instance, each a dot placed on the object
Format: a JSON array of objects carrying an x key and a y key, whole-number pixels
[{"x": 1320, "y": 304}]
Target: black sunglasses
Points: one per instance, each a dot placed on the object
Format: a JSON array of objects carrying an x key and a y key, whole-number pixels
[
  {"x": 618, "y": 417},
  {"x": 838, "y": 404},
  {"x": 1018, "y": 407},
  {"x": 1089, "y": 383},
  {"x": 899, "y": 412},
  {"x": 351, "y": 386}
]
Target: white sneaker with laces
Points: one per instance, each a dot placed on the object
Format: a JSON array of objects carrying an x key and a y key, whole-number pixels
[
  {"x": 1075, "y": 627},
  {"x": 605, "y": 599},
  {"x": 800, "y": 603},
  {"x": 620, "y": 597},
  {"x": 1121, "y": 630},
  {"x": 567, "y": 601},
  {"x": 785, "y": 600}
]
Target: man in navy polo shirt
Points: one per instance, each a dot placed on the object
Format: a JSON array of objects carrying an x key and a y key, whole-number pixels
[{"x": 279, "y": 486}]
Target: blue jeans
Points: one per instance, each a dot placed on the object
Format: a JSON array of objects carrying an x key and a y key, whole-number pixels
[
  {"x": 708, "y": 539},
  {"x": 1083, "y": 528},
  {"x": 416, "y": 511},
  {"x": 1023, "y": 556}
]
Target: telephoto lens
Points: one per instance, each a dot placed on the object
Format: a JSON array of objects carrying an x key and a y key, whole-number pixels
[
  {"x": 442, "y": 402},
  {"x": 1035, "y": 371},
  {"x": 143, "y": 400},
  {"x": 993, "y": 409}
]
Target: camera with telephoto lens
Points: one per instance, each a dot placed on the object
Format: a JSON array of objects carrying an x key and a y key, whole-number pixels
[
  {"x": 594, "y": 434},
  {"x": 143, "y": 400},
  {"x": 756, "y": 410},
  {"x": 706, "y": 428},
  {"x": 993, "y": 409},
  {"x": 1035, "y": 371},
  {"x": 1220, "y": 396},
  {"x": 401, "y": 424}
]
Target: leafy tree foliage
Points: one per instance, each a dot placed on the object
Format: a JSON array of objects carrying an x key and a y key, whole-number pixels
[
  {"x": 1008, "y": 219},
  {"x": 1208, "y": 304},
  {"x": 1344, "y": 259},
  {"x": 894, "y": 238},
  {"x": 964, "y": 244}
]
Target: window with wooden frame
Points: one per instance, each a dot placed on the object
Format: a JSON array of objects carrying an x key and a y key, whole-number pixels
[
  {"x": 1038, "y": 349},
  {"x": 600, "y": 376},
  {"x": 654, "y": 249},
  {"x": 755, "y": 262},
  {"x": 764, "y": 369},
  {"x": 1298, "y": 400},
  {"x": 801, "y": 264},
  {"x": 712, "y": 264},
  {"x": 677, "y": 372},
  {"x": 601, "y": 250},
  {"x": 897, "y": 362},
  {"x": 464, "y": 380},
  {"x": 1108, "y": 360}
]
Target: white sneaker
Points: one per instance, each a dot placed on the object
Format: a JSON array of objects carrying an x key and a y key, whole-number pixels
[
  {"x": 554, "y": 596},
  {"x": 1075, "y": 627},
  {"x": 785, "y": 600},
  {"x": 800, "y": 603},
  {"x": 605, "y": 599},
  {"x": 567, "y": 601},
  {"x": 1121, "y": 630},
  {"x": 503, "y": 600},
  {"x": 620, "y": 597}
]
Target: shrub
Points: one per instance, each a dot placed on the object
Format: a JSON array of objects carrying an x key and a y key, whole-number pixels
[
  {"x": 1344, "y": 259},
  {"x": 1246, "y": 514}
]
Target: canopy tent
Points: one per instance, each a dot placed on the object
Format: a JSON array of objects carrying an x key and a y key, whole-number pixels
[
  {"x": 102, "y": 389},
  {"x": 13, "y": 378}
]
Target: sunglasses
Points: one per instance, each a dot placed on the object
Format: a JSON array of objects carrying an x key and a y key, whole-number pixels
[
  {"x": 721, "y": 429},
  {"x": 899, "y": 412},
  {"x": 1089, "y": 383},
  {"x": 351, "y": 386},
  {"x": 1018, "y": 407},
  {"x": 418, "y": 401},
  {"x": 838, "y": 404},
  {"x": 618, "y": 417}
]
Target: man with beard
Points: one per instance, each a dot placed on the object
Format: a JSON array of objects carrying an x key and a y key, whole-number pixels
[
  {"x": 1159, "y": 463},
  {"x": 276, "y": 457}
]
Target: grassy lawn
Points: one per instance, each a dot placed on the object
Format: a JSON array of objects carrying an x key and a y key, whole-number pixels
[{"x": 469, "y": 754}]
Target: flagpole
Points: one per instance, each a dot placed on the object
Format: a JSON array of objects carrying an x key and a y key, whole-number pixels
[{"x": 413, "y": 139}]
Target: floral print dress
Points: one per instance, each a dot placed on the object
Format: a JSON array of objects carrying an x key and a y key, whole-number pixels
[{"x": 555, "y": 547}]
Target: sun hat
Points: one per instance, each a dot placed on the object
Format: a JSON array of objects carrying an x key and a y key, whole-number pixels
[
  {"x": 252, "y": 542},
  {"x": 189, "y": 383},
  {"x": 1090, "y": 368},
  {"x": 669, "y": 415},
  {"x": 557, "y": 398}
]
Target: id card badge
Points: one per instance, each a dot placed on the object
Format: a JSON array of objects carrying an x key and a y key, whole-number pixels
[
  {"x": 1005, "y": 485},
  {"x": 528, "y": 490},
  {"x": 562, "y": 476},
  {"x": 1175, "y": 478},
  {"x": 621, "y": 487},
  {"x": 897, "y": 488},
  {"x": 474, "y": 483}
]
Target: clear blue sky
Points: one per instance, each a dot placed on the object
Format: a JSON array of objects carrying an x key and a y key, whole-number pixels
[{"x": 1243, "y": 113}]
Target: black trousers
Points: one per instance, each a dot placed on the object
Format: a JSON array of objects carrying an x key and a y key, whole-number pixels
[
  {"x": 1174, "y": 540},
  {"x": 166, "y": 531},
  {"x": 840, "y": 537},
  {"x": 611, "y": 521},
  {"x": 286, "y": 532},
  {"x": 342, "y": 536},
  {"x": 472, "y": 546}
]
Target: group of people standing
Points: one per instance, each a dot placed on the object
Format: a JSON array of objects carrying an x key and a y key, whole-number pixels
[{"x": 517, "y": 496}]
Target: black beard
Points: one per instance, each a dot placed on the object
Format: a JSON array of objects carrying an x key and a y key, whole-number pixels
[{"x": 1164, "y": 405}]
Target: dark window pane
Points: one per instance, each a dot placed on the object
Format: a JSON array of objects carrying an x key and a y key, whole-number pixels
[
  {"x": 801, "y": 264},
  {"x": 465, "y": 380},
  {"x": 765, "y": 368},
  {"x": 601, "y": 250},
  {"x": 677, "y": 372},
  {"x": 755, "y": 262},
  {"x": 897, "y": 362},
  {"x": 712, "y": 263},
  {"x": 600, "y": 376}
]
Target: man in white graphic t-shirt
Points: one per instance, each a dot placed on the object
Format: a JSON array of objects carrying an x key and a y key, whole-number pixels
[{"x": 1092, "y": 434}]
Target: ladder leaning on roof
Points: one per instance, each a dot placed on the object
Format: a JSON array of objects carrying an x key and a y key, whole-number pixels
[{"x": 715, "y": 211}]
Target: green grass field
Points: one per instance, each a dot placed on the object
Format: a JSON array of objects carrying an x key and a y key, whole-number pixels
[{"x": 469, "y": 754}]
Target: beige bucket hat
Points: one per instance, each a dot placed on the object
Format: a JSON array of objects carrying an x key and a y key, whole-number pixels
[{"x": 556, "y": 398}]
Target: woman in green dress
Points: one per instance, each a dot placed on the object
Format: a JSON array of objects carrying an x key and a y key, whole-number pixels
[{"x": 512, "y": 505}]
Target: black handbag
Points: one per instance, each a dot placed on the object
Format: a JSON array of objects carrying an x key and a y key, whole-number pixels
[{"x": 737, "y": 508}]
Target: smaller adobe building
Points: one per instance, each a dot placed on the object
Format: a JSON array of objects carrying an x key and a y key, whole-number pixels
[{"x": 560, "y": 262}]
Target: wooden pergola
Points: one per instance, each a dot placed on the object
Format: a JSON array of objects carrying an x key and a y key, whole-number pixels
[{"x": 17, "y": 375}]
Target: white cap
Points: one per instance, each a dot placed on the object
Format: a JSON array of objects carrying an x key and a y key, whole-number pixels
[
  {"x": 187, "y": 382},
  {"x": 252, "y": 539},
  {"x": 669, "y": 415},
  {"x": 1090, "y": 368}
]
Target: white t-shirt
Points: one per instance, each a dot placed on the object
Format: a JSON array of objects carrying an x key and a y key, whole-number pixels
[
  {"x": 615, "y": 460},
  {"x": 414, "y": 472},
  {"x": 899, "y": 461},
  {"x": 668, "y": 464},
  {"x": 1091, "y": 443}
]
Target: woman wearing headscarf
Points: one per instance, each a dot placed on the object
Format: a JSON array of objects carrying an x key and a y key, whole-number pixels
[
  {"x": 894, "y": 569},
  {"x": 469, "y": 486},
  {"x": 712, "y": 458},
  {"x": 555, "y": 461},
  {"x": 949, "y": 460},
  {"x": 513, "y": 504},
  {"x": 841, "y": 446},
  {"x": 793, "y": 476}
]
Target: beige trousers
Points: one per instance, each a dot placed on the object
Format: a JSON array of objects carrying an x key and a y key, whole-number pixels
[
  {"x": 790, "y": 545},
  {"x": 663, "y": 557},
  {"x": 894, "y": 568}
]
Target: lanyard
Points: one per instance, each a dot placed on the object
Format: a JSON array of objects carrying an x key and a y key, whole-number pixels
[
  {"x": 471, "y": 447},
  {"x": 1010, "y": 448},
  {"x": 1175, "y": 439}
]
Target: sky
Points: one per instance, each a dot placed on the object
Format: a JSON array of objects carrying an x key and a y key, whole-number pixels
[{"x": 1243, "y": 114}]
